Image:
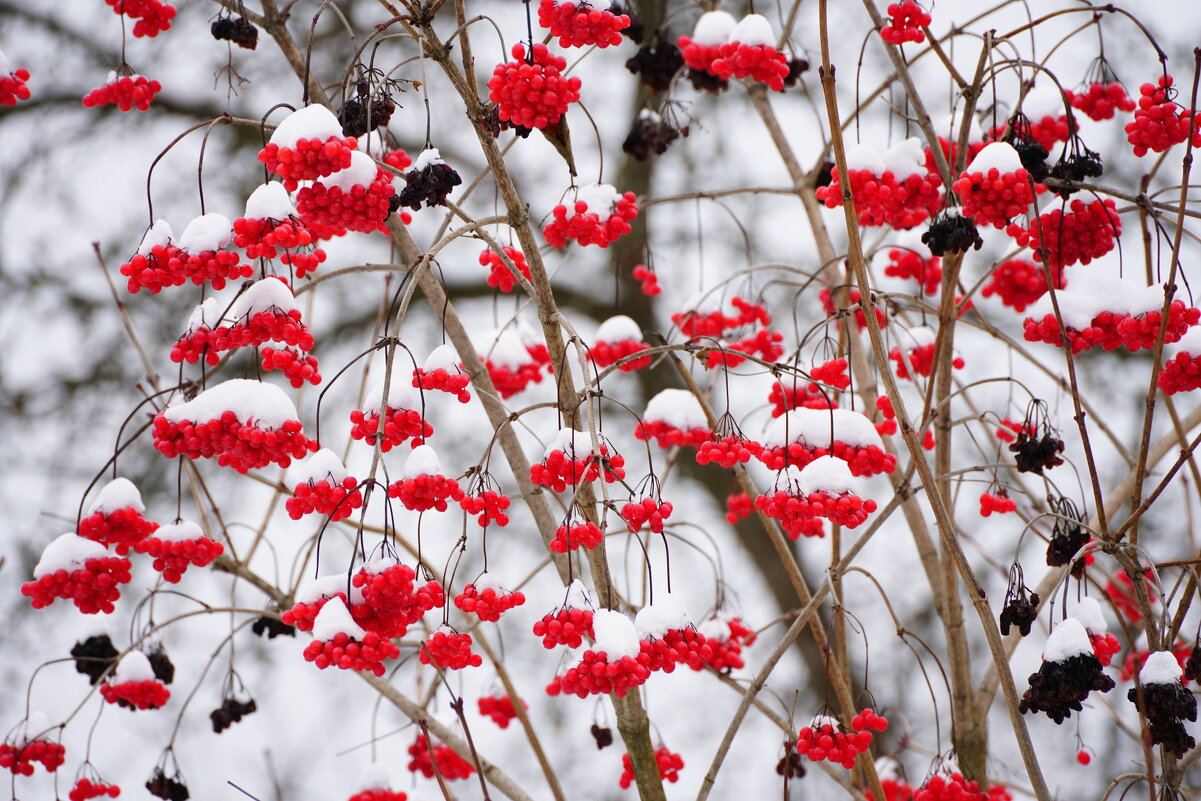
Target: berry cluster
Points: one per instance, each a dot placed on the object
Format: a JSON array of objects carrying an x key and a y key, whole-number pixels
[
  {"x": 994, "y": 198},
  {"x": 86, "y": 789},
  {"x": 308, "y": 159},
  {"x": 258, "y": 329},
  {"x": 531, "y": 91},
  {"x": 120, "y": 528},
  {"x": 399, "y": 425},
  {"x": 231, "y": 711},
  {"x": 670, "y": 764},
  {"x": 333, "y": 209},
  {"x": 235, "y": 444},
  {"x": 564, "y": 627},
  {"x": 955, "y": 788},
  {"x": 147, "y": 694},
  {"x": 580, "y": 25},
  {"x": 727, "y": 451},
  {"x": 883, "y": 199},
  {"x": 1009, "y": 430},
  {"x": 596, "y": 675},
  {"x": 127, "y": 92},
  {"x": 391, "y": 600},
  {"x": 608, "y": 353},
  {"x": 500, "y": 708},
  {"x": 296, "y": 365},
  {"x": 19, "y": 759},
  {"x": 335, "y": 499},
  {"x": 152, "y": 16},
  {"x": 445, "y": 763},
  {"x": 1181, "y": 373},
  {"x": 1105, "y": 647},
  {"x": 677, "y": 646},
  {"x": 93, "y": 588},
  {"x": 1017, "y": 283},
  {"x": 1101, "y": 99},
  {"x": 264, "y": 238},
  {"x": 379, "y": 794},
  {"x": 347, "y": 653},
  {"x": 1000, "y": 503},
  {"x": 648, "y": 280},
  {"x": 490, "y": 505},
  {"x": 13, "y": 88},
  {"x": 870, "y": 460},
  {"x": 563, "y": 467},
  {"x": 1111, "y": 330},
  {"x": 908, "y": 19},
  {"x": 646, "y": 512},
  {"x": 797, "y": 395},
  {"x": 738, "y": 507},
  {"x": 763, "y": 343},
  {"x": 1085, "y": 232},
  {"x": 172, "y": 557},
  {"x": 489, "y": 603},
  {"x": 586, "y": 225},
  {"x": 509, "y": 381},
  {"x": 167, "y": 265},
  {"x": 448, "y": 649},
  {"x": 443, "y": 380},
  {"x": 430, "y": 181},
  {"x": 1159, "y": 122},
  {"x": 888, "y": 424},
  {"x": 667, "y": 435},
  {"x": 424, "y": 492},
  {"x": 499, "y": 275},
  {"x": 572, "y": 536},
  {"x": 920, "y": 360},
  {"x": 824, "y": 739},
  {"x": 727, "y": 647},
  {"x": 907, "y": 263},
  {"x": 827, "y": 301},
  {"x": 762, "y": 63},
  {"x": 794, "y": 512}
]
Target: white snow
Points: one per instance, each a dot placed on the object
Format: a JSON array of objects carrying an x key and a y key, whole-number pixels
[
  {"x": 753, "y": 29},
  {"x": 911, "y": 239},
  {"x": 676, "y": 407},
  {"x": 1001, "y": 156},
  {"x": 68, "y": 552},
  {"x": 334, "y": 619},
  {"x": 905, "y": 158},
  {"x": 426, "y": 158},
  {"x": 206, "y": 315},
  {"x": 615, "y": 634},
  {"x": 313, "y": 590},
  {"x": 158, "y": 234},
  {"x": 811, "y": 427},
  {"x": 1161, "y": 667},
  {"x": 423, "y": 461},
  {"x": 817, "y": 721},
  {"x": 507, "y": 350},
  {"x": 443, "y": 357},
  {"x": 950, "y": 128},
  {"x": 716, "y": 627},
  {"x": 713, "y": 28},
  {"x": 788, "y": 480},
  {"x": 1042, "y": 101},
  {"x": 374, "y": 145},
  {"x": 490, "y": 581},
  {"x": 1120, "y": 297},
  {"x": 32, "y": 728},
  {"x": 324, "y": 465},
  {"x": 134, "y": 666},
  {"x": 1067, "y": 640},
  {"x": 269, "y": 202},
  {"x": 400, "y": 395},
  {"x": 269, "y": 294},
  {"x": 373, "y": 777},
  {"x": 1089, "y": 613},
  {"x": 310, "y": 122},
  {"x": 917, "y": 337},
  {"x": 666, "y": 614},
  {"x": 865, "y": 157},
  {"x": 577, "y": 596},
  {"x": 619, "y": 328},
  {"x": 888, "y": 768},
  {"x": 574, "y": 444},
  {"x": 1190, "y": 343},
  {"x": 254, "y": 403},
  {"x": 120, "y": 493},
  {"x": 206, "y": 233},
  {"x": 179, "y": 532},
  {"x": 827, "y": 474},
  {"x": 600, "y": 198},
  {"x": 649, "y": 114},
  {"x": 706, "y": 302},
  {"x": 361, "y": 172}
]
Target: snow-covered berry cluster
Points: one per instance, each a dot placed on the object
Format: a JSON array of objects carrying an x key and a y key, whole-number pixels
[
  {"x": 322, "y": 485},
  {"x": 308, "y": 144},
  {"x": 358, "y": 197},
  {"x": 127, "y": 92},
  {"x": 995, "y": 188},
  {"x": 74, "y": 568},
  {"x": 1121, "y": 314},
  {"x": 893, "y": 187},
  {"x": 824, "y": 739},
  {"x": 447, "y": 648},
  {"x": 531, "y": 90},
  {"x": 750, "y": 52},
  {"x": 616, "y": 339},
  {"x": 116, "y": 517},
  {"x": 1087, "y": 231},
  {"x": 599, "y": 216},
  {"x": 421, "y": 485},
  {"x": 570, "y": 460},
  {"x": 176, "y": 546},
  {"x": 488, "y": 599},
  {"x": 401, "y": 420},
  {"x": 338, "y": 641}
]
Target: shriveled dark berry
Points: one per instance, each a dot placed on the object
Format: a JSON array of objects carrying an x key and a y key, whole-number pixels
[
  {"x": 360, "y": 116},
  {"x": 791, "y": 765},
  {"x": 230, "y": 712},
  {"x": 656, "y": 64},
  {"x": 168, "y": 788},
  {"x": 603, "y": 736},
  {"x": 649, "y": 133},
  {"x": 1192, "y": 665},
  {"x": 273, "y": 627},
  {"x": 1166, "y": 706},
  {"x": 796, "y": 67},
  {"x": 240, "y": 31},
  {"x": 430, "y": 185},
  {"x": 1034, "y": 454},
  {"x": 94, "y": 656},
  {"x": 951, "y": 233},
  {"x": 1060, "y": 687},
  {"x": 1021, "y": 612},
  {"x": 707, "y": 82},
  {"x": 160, "y": 663}
]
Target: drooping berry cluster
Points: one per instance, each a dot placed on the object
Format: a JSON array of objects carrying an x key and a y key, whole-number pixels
[
  {"x": 19, "y": 759},
  {"x": 429, "y": 182},
  {"x": 726, "y": 637},
  {"x": 926, "y": 269},
  {"x": 92, "y": 587},
  {"x": 13, "y": 88},
  {"x": 399, "y": 425},
  {"x": 600, "y": 216},
  {"x": 1100, "y": 100},
  {"x": 146, "y": 694},
  {"x": 347, "y": 653},
  {"x": 500, "y": 708},
  {"x": 884, "y": 198},
  {"x": 489, "y": 504},
  {"x": 127, "y": 92},
  {"x": 954, "y": 788},
  {"x": 566, "y": 626},
  {"x": 423, "y": 492},
  {"x": 727, "y": 451},
  {"x": 574, "y": 462},
  {"x": 919, "y": 359},
  {"x": 531, "y": 90},
  {"x": 1000, "y": 503},
  {"x": 738, "y": 507},
  {"x": 648, "y": 280},
  {"x": 751, "y": 53},
  {"x": 683, "y": 646},
  {"x": 236, "y": 444},
  {"x": 646, "y": 512},
  {"x": 120, "y": 528},
  {"x": 1087, "y": 231},
  {"x": 391, "y": 599},
  {"x": 995, "y": 188},
  {"x": 489, "y": 603},
  {"x": 595, "y": 674},
  {"x": 86, "y": 789},
  {"x": 152, "y": 16},
  {"x": 296, "y": 365},
  {"x": 445, "y": 762},
  {"x": 670, "y": 764},
  {"x": 449, "y": 649},
  {"x": 573, "y": 535},
  {"x": 1111, "y": 330},
  {"x": 1160, "y": 122},
  {"x": 307, "y": 145},
  {"x": 1181, "y": 373},
  {"x": 1017, "y": 283},
  {"x": 173, "y": 556},
  {"x": 499, "y": 275},
  {"x": 824, "y": 739},
  {"x": 581, "y": 25},
  {"x": 165, "y": 265},
  {"x": 336, "y": 499},
  {"x": 359, "y": 198},
  {"x": 908, "y": 19}
]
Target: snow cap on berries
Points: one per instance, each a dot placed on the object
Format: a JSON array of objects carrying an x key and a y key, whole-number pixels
[
  {"x": 268, "y": 295},
  {"x": 1189, "y": 344},
  {"x": 324, "y": 465},
  {"x": 676, "y": 407},
  {"x": 1068, "y": 640},
  {"x": 206, "y": 315},
  {"x": 206, "y": 233},
  {"x": 373, "y": 777},
  {"x": 334, "y": 619},
  {"x": 753, "y": 29},
  {"x": 269, "y": 202},
  {"x": 179, "y": 532},
  {"x": 578, "y": 596},
  {"x": 1161, "y": 667},
  {"x": 619, "y": 328},
  {"x": 1043, "y": 100},
  {"x": 310, "y": 122},
  {"x": 826, "y": 474},
  {"x": 615, "y": 634},
  {"x": 863, "y": 156},
  {"x": 68, "y": 552},
  {"x": 714, "y": 28},
  {"x": 904, "y": 159},
  {"x": 134, "y": 666},
  {"x": 665, "y": 614},
  {"x": 322, "y": 587},
  {"x": 507, "y": 350},
  {"x": 361, "y": 172},
  {"x": 399, "y": 396},
  {"x": 157, "y": 235},
  {"x": 120, "y": 493},
  {"x": 1089, "y": 613},
  {"x": 443, "y": 357},
  {"x": 263, "y": 404},
  {"x": 1001, "y": 156},
  {"x": 423, "y": 461}
]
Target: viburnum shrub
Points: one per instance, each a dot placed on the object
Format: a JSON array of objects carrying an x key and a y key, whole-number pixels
[{"x": 858, "y": 406}]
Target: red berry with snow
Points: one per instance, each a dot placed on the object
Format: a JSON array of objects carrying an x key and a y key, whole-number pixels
[
  {"x": 242, "y": 446},
  {"x": 424, "y": 492},
  {"x": 564, "y": 627},
  {"x": 337, "y": 500},
  {"x": 448, "y": 649},
  {"x": 573, "y": 462},
  {"x": 399, "y": 426},
  {"x": 126, "y": 92},
  {"x": 595, "y": 674},
  {"x": 600, "y": 216},
  {"x": 581, "y": 25},
  {"x": 499, "y": 275},
  {"x": 727, "y": 451},
  {"x": 994, "y": 197},
  {"x": 489, "y": 603},
  {"x": 531, "y": 91},
  {"x": 347, "y": 653},
  {"x": 175, "y": 547},
  {"x": 908, "y": 19},
  {"x": 148, "y": 694},
  {"x": 72, "y": 567},
  {"x": 1159, "y": 121}
]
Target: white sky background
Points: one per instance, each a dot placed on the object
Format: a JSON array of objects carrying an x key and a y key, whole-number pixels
[{"x": 70, "y": 176}]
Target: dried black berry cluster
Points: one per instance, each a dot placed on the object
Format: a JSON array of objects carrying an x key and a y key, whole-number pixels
[
  {"x": 430, "y": 185},
  {"x": 650, "y": 133},
  {"x": 603, "y": 736},
  {"x": 1020, "y": 611},
  {"x": 796, "y": 67},
  {"x": 791, "y": 765},
  {"x": 1166, "y": 707},
  {"x": 656, "y": 65},
  {"x": 1067, "y": 538},
  {"x": 239, "y": 31},
  {"x": 635, "y": 30},
  {"x": 1036, "y": 453},
  {"x": 494, "y": 125},
  {"x": 951, "y": 233},
  {"x": 168, "y": 788},
  {"x": 1059, "y": 687},
  {"x": 230, "y": 712},
  {"x": 1192, "y": 665},
  {"x": 707, "y": 82},
  {"x": 274, "y": 627},
  {"x": 160, "y": 663},
  {"x": 94, "y": 656},
  {"x": 1075, "y": 167},
  {"x": 361, "y": 115}
]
